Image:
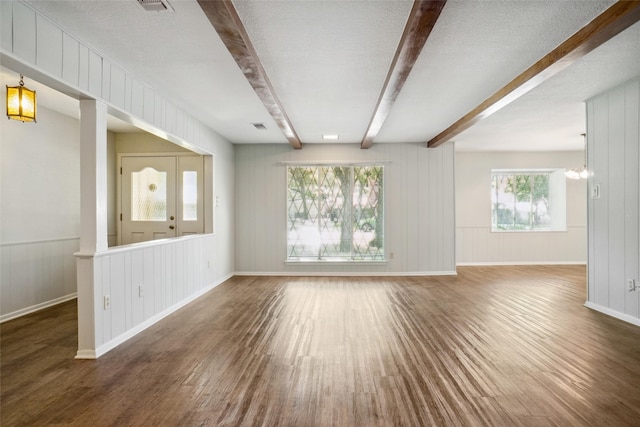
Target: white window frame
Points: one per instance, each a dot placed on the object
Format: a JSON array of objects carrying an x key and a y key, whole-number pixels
[
  {"x": 336, "y": 260},
  {"x": 557, "y": 199}
]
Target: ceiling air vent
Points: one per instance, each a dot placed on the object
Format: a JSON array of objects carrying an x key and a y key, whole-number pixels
[
  {"x": 155, "y": 5},
  {"x": 259, "y": 126}
]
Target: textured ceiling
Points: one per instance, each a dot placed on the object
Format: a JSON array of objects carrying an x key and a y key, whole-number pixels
[
  {"x": 474, "y": 50},
  {"x": 327, "y": 61}
]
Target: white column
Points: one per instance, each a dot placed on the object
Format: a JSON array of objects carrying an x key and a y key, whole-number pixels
[
  {"x": 93, "y": 176},
  {"x": 93, "y": 222}
]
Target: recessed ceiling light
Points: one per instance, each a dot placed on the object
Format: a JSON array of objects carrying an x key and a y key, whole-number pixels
[
  {"x": 330, "y": 137},
  {"x": 259, "y": 126}
]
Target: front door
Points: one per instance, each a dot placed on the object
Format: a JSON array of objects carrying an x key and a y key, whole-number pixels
[{"x": 148, "y": 198}]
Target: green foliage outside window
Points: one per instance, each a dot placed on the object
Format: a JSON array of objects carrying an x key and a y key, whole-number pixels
[
  {"x": 335, "y": 213},
  {"x": 520, "y": 201}
]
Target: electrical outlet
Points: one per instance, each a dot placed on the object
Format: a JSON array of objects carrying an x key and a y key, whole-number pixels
[
  {"x": 107, "y": 302},
  {"x": 140, "y": 291},
  {"x": 631, "y": 285}
]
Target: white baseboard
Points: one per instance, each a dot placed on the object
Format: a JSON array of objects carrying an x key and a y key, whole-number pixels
[
  {"x": 613, "y": 313},
  {"x": 86, "y": 354},
  {"x": 498, "y": 263},
  {"x": 37, "y": 307},
  {"x": 104, "y": 348},
  {"x": 344, "y": 273}
]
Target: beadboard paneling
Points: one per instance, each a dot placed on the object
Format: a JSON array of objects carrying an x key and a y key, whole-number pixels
[
  {"x": 49, "y": 43},
  {"x": 6, "y": 25},
  {"x": 36, "y": 275},
  {"x": 613, "y": 123},
  {"x": 88, "y": 74},
  {"x": 39, "y": 207},
  {"x": 170, "y": 273},
  {"x": 44, "y": 50},
  {"x": 419, "y": 208},
  {"x": 477, "y": 244},
  {"x": 24, "y": 41}
]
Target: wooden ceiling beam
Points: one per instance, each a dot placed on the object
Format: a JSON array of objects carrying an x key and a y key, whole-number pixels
[
  {"x": 224, "y": 18},
  {"x": 422, "y": 19},
  {"x": 611, "y": 22}
]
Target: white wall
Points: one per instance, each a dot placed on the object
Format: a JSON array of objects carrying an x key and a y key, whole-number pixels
[
  {"x": 39, "y": 211},
  {"x": 47, "y": 53},
  {"x": 613, "y": 129},
  {"x": 419, "y": 207},
  {"x": 144, "y": 143},
  {"x": 476, "y": 244}
]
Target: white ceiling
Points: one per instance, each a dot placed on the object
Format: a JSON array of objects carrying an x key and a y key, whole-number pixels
[{"x": 327, "y": 61}]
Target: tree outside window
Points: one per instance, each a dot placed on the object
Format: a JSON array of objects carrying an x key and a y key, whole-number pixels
[
  {"x": 528, "y": 200},
  {"x": 335, "y": 213}
]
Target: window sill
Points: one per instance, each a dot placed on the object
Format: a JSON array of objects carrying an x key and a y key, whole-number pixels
[
  {"x": 529, "y": 231},
  {"x": 335, "y": 262}
]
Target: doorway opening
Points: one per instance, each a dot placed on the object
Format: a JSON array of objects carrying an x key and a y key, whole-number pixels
[
  {"x": 160, "y": 197},
  {"x": 159, "y": 190}
]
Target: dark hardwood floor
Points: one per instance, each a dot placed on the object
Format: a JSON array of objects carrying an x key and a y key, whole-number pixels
[{"x": 495, "y": 346}]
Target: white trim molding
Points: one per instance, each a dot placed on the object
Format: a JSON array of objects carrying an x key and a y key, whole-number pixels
[
  {"x": 499, "y": 263},
  {"x": 613, "y": 313},
  {"x": 37, "y": 307},
  {"x": 345, "y": 273},
  {"x": 110, "y": 345}
]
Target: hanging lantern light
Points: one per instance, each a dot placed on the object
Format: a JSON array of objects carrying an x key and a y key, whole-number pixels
[{"x": 21, "y": 103}]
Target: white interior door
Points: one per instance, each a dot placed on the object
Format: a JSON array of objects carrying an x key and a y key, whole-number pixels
[{"x": 148, "y": 198}]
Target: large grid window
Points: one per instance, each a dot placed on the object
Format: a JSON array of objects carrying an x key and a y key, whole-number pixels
[
  {"x": 335, "y": 213},
  {"x": 531, "y": 200}
]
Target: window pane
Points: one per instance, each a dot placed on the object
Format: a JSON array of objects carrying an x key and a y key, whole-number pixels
[
  {"x": 189, "y": 196},
  {"x": 334, "y": 213},
  {"x": 368, "y": 213},
  {"x": 148, "y": 195},
  {"x": 520, "y": 201}
]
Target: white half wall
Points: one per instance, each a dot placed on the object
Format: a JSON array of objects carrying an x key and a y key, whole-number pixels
[
  {"x": 69, "y": 65},
  {"x": 419, "y": 208},
  {"x": 476, "y": 244},
  {"x": 613, "y": 135}
]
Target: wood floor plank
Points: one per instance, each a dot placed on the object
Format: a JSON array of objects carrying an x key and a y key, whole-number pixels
[{"x": 492, "y": 346}]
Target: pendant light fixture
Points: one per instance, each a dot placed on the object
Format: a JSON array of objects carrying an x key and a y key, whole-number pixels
[
  {"x": 583, "y": 172},
  {"x": 21, "y": 103}
]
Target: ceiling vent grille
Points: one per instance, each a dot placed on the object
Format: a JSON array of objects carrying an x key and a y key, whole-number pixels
[{"x": 156, "y": 5}]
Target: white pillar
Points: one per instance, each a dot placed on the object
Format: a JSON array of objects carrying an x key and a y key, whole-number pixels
[
  {"x": 93, "y": 222},
  {"x": 93, "y": 176}
]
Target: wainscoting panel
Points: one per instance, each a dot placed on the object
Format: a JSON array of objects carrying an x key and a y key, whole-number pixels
[
  {"x": 419, "y": 207},
  {"x": 36, "y": 275},
  {"x": 613, "y": 126},
  {"x": 479, "y": 245},
  {"x": 137, "y": 285},
  {"x": 68, "y": 64}
]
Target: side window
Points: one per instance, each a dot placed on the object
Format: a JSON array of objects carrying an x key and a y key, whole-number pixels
[
  {"x": 190, "y": 195},
  {"x": 528, "y": 200}
]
